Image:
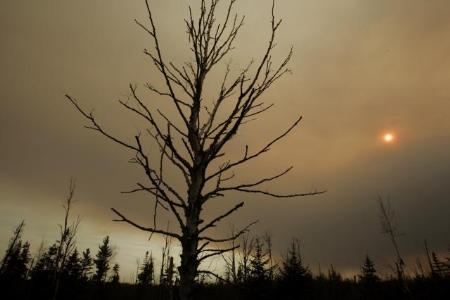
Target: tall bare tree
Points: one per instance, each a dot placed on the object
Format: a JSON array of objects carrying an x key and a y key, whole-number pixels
[
  {"x": 194, "y": 141},
  {"x": 389, "y": 227},
  {"x": 67, "y": 239}
]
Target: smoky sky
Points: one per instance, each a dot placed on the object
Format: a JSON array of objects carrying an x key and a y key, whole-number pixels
[{"x": 360, "y": 68}]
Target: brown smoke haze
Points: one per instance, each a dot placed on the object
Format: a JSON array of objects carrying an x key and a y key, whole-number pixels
[{"x": 360, "y": 68}]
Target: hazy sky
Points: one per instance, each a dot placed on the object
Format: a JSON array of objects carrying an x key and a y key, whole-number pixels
[{"x": 360, "y": 68}]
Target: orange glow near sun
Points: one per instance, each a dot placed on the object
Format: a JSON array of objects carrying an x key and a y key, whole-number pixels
[{"x": 388, "y": 138}]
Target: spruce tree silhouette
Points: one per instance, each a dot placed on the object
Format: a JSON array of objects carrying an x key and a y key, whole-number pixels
[
  {"x": 102, "y": 261},
  {"x": 86, "y": 265},
  {"x": 72, "y": 269},
  {"x": 12, "y": 253},
  {"x": 17, "y": 265},
  {"x": 369, "y": 280},
  {"x": 146, "y": 274},
  {"x": 294, "y": 276},
  {"x": 368, "y": 272},
  {"x": 259, "y": 271},
  {"x": 43, "y": 270},
  {"x": 115, "y": 278}
]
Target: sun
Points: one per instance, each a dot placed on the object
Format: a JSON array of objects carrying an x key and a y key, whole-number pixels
[{"x": 388, "y": 138}]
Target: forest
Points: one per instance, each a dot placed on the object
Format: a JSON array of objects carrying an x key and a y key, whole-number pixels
[{"x": 62, "y": 271}]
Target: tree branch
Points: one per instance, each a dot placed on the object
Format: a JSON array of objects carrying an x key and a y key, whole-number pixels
[{"x": 149, "y": 229}]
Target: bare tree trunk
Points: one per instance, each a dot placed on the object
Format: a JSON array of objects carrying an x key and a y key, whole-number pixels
[
  {"x": 188, "y": 268},
  {"x": 208, "y": 124},
  {"x": 387, "y": 218},
  {"x": 66, "y": 240},
  {"x": 189, "y": 241}
]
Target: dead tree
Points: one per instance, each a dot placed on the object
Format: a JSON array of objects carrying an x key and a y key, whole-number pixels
[
  {"x": 193, "y": 142},
  {"x": 387, "y": 218},
  {"x": 66, "y": 243},
  {"x": 230, "y": 261}
]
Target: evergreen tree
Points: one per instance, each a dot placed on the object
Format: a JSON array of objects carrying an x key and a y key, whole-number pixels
[
  {"x": 169, "y": 274},
  {"x": 146, "y": 275},
  {"x": 72, "y": 269},
  {"x": 44, "y": 268},
  {"x": 258, "y": 264},
  {"x": 24, "y": 261},
  {"x": 16, "y": 265},
  {"x": 293, "y": 269},
  {"x": 293, "y": 274},
  {"x": 102, "y": 260},
  {"x": 9, "y": 265},
  {"x": 115, "y": 278},
  {"x": 86, "y": 264},
  {"x": 368, "y": 272}
]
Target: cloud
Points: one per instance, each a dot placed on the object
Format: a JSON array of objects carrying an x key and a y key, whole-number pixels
[{"x": 360, "y": 67}]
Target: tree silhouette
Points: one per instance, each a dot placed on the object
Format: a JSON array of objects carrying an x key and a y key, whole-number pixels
[
  {"x": 72, "y": 270},
  {"x": 115, "y": 278},
  {"x": 13, "y": 250},
  {"x": 146, "y": 274},
  {"x": 102, "y": 261},
  {"x": 16, "y": 266},
  {"x": 389, "y": 227},
  {"x": 440, "y": 268},
  {"x": 43, "y": 271},
  {"x": 293, "y": 271},
  {"x": 167, "y": 277},
  {"x": 259, "y": 264},
  {"x": 246, "y": 251},
  {"x": 294, "y": 276},
  {"x": 193, "y": 142},
  {"x": 66, "y": 243},
  {"x": 333, "y": 275},
  {"x": 369, "y": 280},
  {"x": 86, "y": 264},
  {"x": 368, "y": 272}
]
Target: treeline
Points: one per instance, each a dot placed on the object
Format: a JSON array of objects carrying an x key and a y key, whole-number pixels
[{"x": 61, "y": 271}]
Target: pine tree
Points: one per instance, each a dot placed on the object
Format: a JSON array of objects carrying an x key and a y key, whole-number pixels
[
  {"x": 102, "y": 260},
  {"x": 24, "y": 260},
  {"x": 258, "y": 264},
  {"x": 293, "y": 270},
  {"x": 86, "y": 264},
  {"x": 294, "y": 276},
  {"x": 146, "y": 275},
  {"x": 368, "y": 272},
  {"x": 9, "y": 265},
  {"x": 16, "y": 265},
  {"x": 44, "y": 268},
  {"x": 115, "y": 278},
  {"x": 72, "y": 269},
  {"x": 169, "y": 278}
]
